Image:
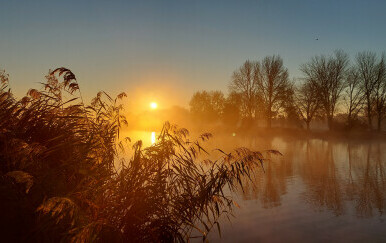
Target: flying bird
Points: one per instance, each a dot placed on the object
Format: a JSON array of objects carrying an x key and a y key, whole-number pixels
[{"x": 316, "y": 38}]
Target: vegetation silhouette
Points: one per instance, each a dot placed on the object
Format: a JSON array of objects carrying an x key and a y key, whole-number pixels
[
  {"x": 63, "y": 176},
  {"x": 347, "y": 95}
]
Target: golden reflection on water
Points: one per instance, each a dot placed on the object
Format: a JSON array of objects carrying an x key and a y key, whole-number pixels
[
  {"x": 317, "y": 191},
  {"x": 147, "y": 138}
]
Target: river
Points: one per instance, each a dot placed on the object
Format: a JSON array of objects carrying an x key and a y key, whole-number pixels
[{"x": 319, "y": 190}]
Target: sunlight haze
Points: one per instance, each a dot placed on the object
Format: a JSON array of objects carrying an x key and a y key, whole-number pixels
[
  {"x": 193, "y": 121},
  {"x": 192, "y": 45}
]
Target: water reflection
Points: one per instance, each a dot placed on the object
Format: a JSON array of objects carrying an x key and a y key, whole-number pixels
[
  {"x": 314, "y": 180},
  {"x": 322, "y": 177},
  {"x": 152, "y": 138},
  {"x": 369, "y": 186},
  {"x": 148, "y": 138},
  {"x": 318, "y": 186},
  {"x": 330, "y": 175},
  {"x": 271, "y": 185}
]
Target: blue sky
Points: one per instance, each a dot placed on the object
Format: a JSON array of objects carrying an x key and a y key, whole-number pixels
[{"x": 169, "y": 49}]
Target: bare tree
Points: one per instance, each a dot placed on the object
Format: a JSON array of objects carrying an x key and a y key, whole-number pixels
[
  {"x": 307, "y": 102},
  {"x": 244, "y": 82},
  {"x": 290, "y": 110},
  {"x": 353, "y": 95},
  {"x": 380, "y": 92},
  {"x": 366, "y": 65},
  {"x": 327, "y": 75},
  {"x": 273, "y": 85}
]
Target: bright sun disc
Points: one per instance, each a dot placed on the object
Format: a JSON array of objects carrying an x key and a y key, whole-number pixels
[{"x": 153, "y": 105}]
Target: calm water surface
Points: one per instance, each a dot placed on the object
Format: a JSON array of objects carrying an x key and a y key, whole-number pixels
[{"x": 317, "y": 191}]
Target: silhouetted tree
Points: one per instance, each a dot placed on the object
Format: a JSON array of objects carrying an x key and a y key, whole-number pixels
[
  {"x": 307, "y": 102},
  {"x": 245, "y": 82},
  {"x": 231, "y": 112},
  {"x": 207, "y": 105},
  {"x": 289, "y": 107},
  {"x": 366, "y": 65},
  {"x": 217, "y": 102},
  {"x": 274, "y": 86},
  {"x": 354, "y": 95},
  {"x": 327, "y": 74},
  {"x": 380, "y": 92}
]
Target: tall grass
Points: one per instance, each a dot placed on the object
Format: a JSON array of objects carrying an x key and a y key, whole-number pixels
[{"x": 60, "y": 179}]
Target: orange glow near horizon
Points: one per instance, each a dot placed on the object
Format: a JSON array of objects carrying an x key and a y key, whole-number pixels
[{"x": 153, "y": 105}]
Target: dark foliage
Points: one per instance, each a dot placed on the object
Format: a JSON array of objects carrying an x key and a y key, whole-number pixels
[{"x": 62, "y": 177}]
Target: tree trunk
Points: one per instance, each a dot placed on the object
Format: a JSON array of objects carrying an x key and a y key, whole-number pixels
[
  {"x": 308, "y": 125},
  {"x": 369, "y": 115}
]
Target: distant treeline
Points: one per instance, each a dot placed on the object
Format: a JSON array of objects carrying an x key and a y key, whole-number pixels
[{"x": 262, "y": 91}]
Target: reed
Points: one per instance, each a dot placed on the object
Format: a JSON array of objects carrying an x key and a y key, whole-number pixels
[{"x": 63, "y": 179}]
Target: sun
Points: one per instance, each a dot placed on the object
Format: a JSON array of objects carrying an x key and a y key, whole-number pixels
[{"x": 153, "y": 105}]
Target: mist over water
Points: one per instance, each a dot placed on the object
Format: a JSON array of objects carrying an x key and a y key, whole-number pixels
[{"x": 318, "y": 190}]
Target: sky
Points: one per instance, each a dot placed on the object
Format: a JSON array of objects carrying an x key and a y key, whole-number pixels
[{"x": 166, "y": 50}]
